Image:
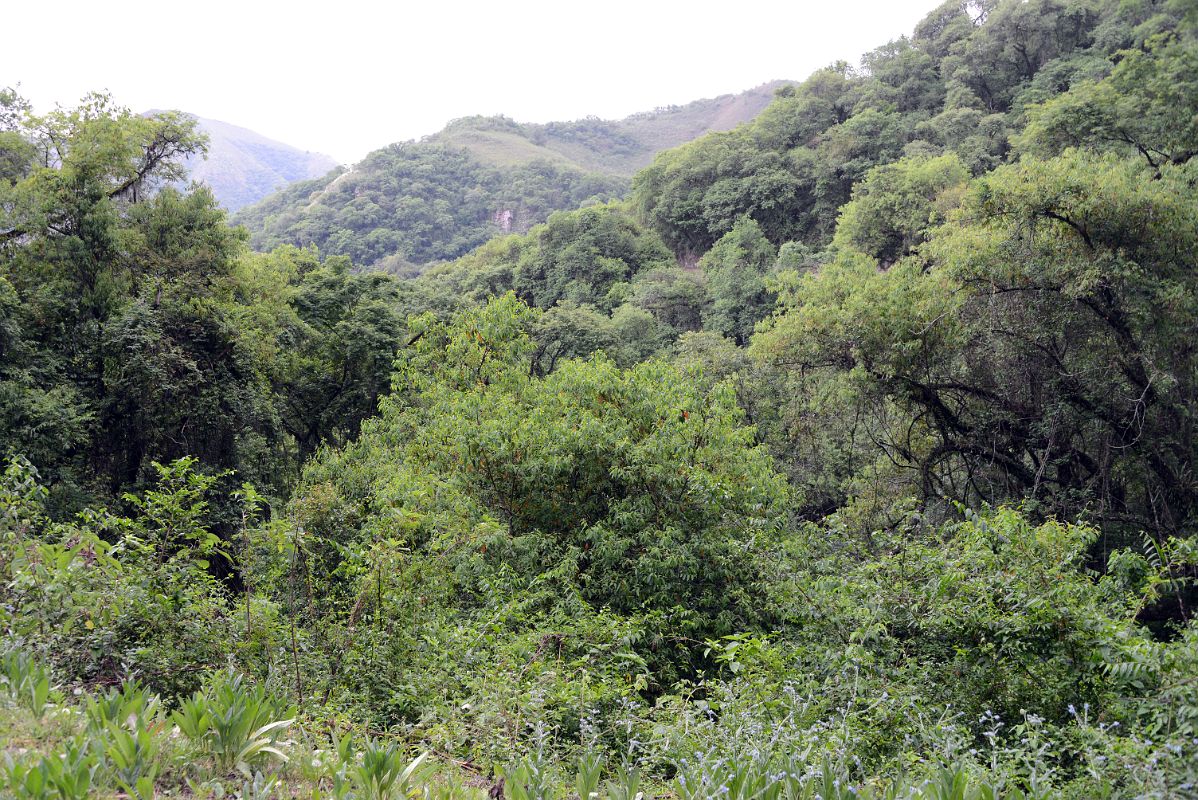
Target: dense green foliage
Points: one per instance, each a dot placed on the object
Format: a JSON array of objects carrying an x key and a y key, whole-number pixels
[
  {"x": 854, "y": 459},
  {"x": 636, "y": 488},
  {"x": 965, "y": 83},
  {"x": 1034, "y": 348},
  {"x": 604, "y": 281},
  {"x": 417, "y": 202},
  {"x": 138, "y": 330}
]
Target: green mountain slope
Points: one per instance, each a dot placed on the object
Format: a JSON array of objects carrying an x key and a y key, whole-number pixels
[{"x": 414, "y": 203}]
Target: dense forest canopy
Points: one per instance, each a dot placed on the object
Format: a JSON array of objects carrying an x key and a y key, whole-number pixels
[
  {"x": 413, "y": 203},
  {"x": 976, "y": 80},
  {"x": 853, "y": 455}
]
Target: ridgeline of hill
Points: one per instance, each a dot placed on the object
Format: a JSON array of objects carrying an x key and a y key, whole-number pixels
[
  {"x": 413, "y": 203},
  {"x": 611, "y": 147}
]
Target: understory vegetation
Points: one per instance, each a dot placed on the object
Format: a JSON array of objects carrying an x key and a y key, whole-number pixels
[{"x": 852, "y": 457}]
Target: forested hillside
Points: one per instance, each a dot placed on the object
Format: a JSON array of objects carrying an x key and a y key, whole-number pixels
[
  {"x": 419, "y": 202},
  {"x": 852, "y": 456}
]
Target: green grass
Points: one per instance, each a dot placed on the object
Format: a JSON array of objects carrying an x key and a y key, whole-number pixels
[{"x": 503, "y": 149}]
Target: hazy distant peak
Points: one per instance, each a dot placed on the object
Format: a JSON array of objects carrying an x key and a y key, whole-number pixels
[{"x": 243, "y": 166}]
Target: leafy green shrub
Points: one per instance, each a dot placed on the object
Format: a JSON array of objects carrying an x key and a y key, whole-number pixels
[
  {"x": 235, "y": 723},
  {"x": 625, "y": 783},
  {"x": 590, "y": 768},
  {"x": 529, "y": 779},
  {"x": 636, "y": 495},
  {"x": 130, "y": 705},
  {"x": 59, "y": 581},
  {"x": 131, "y": 759},
  {"x": 378, "y": 772},
  {"x": 66, "y": 775},
  {"x": 26, "y": 681}
]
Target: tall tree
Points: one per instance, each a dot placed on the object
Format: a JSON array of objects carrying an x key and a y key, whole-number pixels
[
  {"x": 121, "y": 346},
  {"x": 735, "y": 269},
  {"x": 1039, "y": 348}
]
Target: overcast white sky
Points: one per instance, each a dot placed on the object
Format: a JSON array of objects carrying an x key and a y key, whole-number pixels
[{"x": 346, "y": 77}]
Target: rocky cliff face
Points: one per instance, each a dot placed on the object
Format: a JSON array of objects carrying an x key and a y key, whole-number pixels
[
  {"x": 512, "y": 220},
  {"x": 502, "y": 219}
]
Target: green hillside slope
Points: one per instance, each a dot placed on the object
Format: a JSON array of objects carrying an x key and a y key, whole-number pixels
[{"x": 414, "y": 203}]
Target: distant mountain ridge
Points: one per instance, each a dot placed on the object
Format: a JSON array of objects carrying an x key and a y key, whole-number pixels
[
  {"x": 243, "y": 166},
  {"x": 418, "y": 202}
]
